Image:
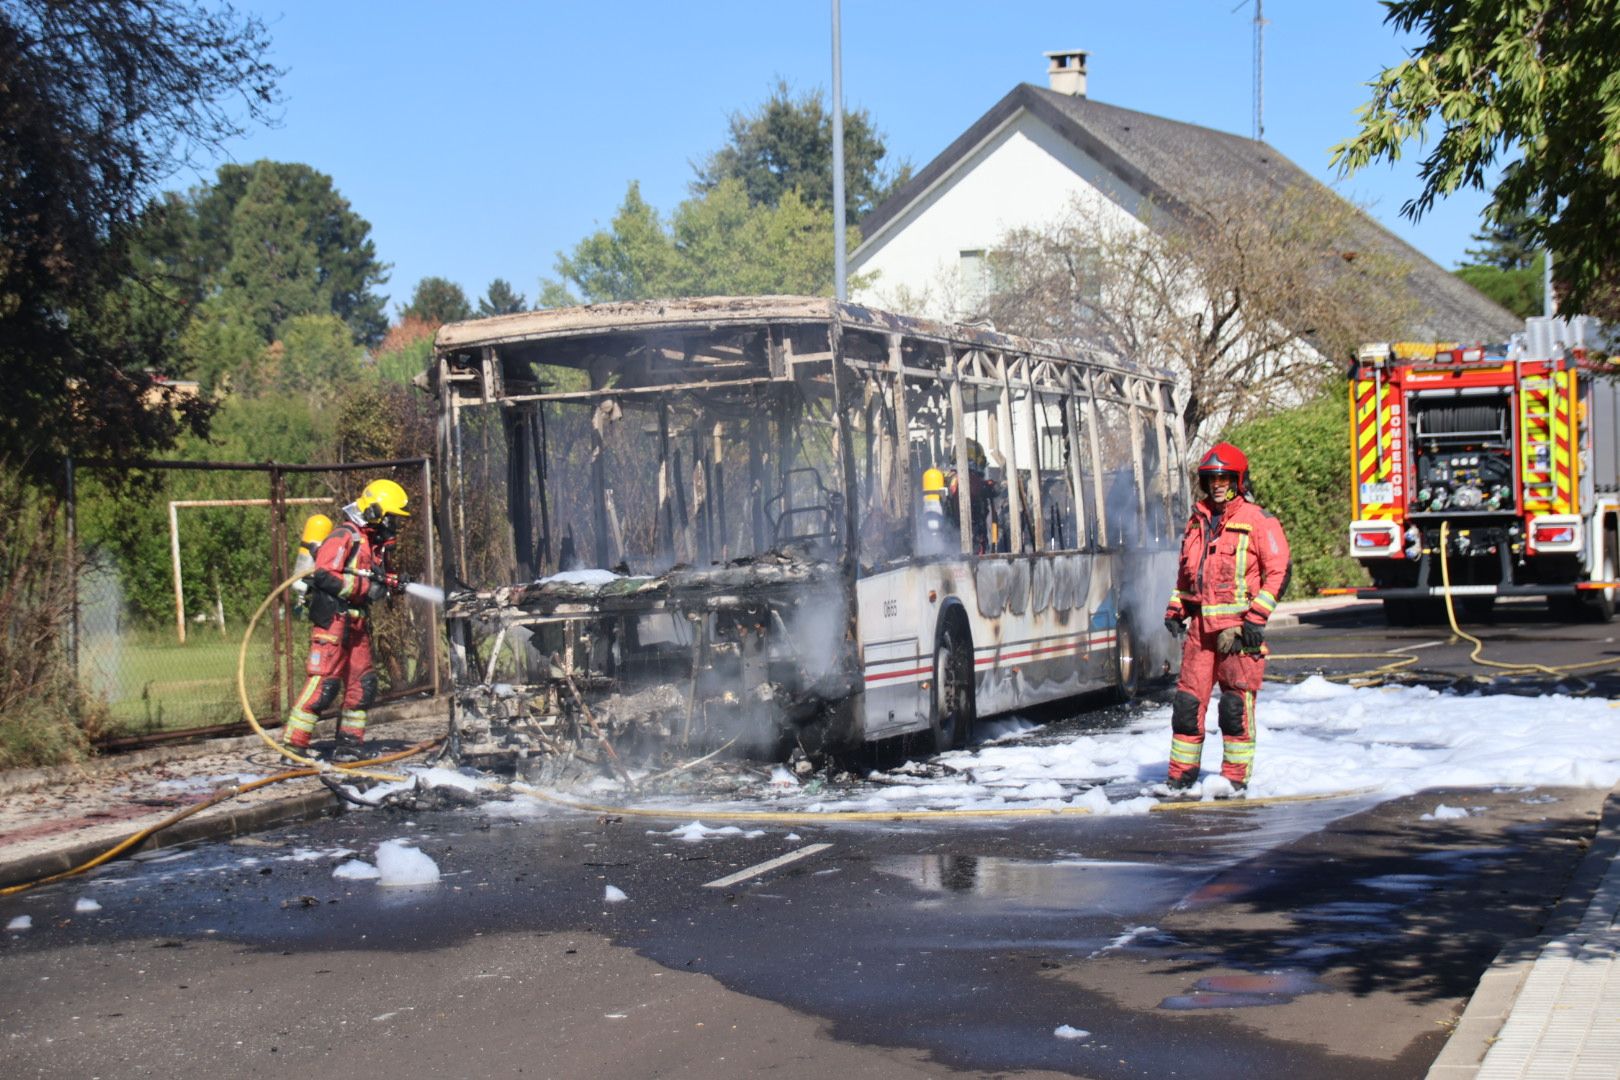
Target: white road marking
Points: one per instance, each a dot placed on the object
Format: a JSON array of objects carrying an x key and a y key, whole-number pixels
[
  {"x": 767, "y": 866},
  {"x": 1414, "y": 648}
]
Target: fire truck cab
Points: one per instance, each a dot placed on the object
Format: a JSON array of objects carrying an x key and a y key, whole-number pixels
[{"x": 1487, "y": 471}]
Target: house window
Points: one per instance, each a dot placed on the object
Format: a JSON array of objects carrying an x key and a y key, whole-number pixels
[{"x": 972, "y": 282}]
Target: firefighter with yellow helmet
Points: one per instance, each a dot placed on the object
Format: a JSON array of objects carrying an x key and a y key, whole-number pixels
[
  {"x": 351, "y": 573},
  {"x": 981, "y": 495}
]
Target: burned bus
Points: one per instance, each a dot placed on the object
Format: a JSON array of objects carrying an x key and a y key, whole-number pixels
[{"x": 779, "y": 521}]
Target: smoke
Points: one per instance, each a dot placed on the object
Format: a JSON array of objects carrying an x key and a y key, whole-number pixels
[
  {"x": 817, "y": 630},
  {"x": 1147, "y": 570}
]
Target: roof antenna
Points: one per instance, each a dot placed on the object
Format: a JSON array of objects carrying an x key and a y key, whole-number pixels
[{"x": 1260, "y": 23}]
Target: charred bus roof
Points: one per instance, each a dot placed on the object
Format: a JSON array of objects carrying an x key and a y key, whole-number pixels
[{"x": 725, "y": 336}]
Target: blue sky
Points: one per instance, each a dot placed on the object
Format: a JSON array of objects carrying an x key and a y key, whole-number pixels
[{"x": 481, "y": 138}]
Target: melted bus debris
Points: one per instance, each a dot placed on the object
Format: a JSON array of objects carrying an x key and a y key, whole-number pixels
[{"x": 782, "y": 522}]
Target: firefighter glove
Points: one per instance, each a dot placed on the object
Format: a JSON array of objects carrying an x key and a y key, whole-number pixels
[
  {"x": 1254, "y": 635},
  {"x": 1229, "y": 641},
  {"x": 1175, "y": 618},
  {"x": 377, "y": 590}
]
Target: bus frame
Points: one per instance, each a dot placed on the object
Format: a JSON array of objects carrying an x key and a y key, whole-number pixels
[{"x": 803, "y": 576}]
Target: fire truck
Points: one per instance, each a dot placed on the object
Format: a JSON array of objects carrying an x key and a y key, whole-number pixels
[{"x": 1493, "y": 468}]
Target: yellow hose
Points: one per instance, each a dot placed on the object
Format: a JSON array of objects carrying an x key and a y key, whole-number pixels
[
  {"x": 1408, "y": 659},
  {"x": 253, "y": 721},
  {"x": 1479, "y": 646},
  {"x": 136, "y": 838}
]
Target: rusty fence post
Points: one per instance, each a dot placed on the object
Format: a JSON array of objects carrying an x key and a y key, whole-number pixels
[{"x": 280, "y": 633}]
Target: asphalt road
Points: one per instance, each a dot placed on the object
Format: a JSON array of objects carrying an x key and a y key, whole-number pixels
[{"x": 1336, "y": 938}]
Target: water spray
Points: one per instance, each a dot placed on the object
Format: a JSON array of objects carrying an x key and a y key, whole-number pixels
[{"x": 432, "y": 594}]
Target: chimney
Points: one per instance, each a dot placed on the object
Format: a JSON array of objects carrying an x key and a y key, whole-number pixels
[{"x": 1066, "y": 72}]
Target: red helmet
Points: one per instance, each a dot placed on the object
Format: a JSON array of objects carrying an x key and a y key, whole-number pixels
[{"x": 1225, "y": 458}]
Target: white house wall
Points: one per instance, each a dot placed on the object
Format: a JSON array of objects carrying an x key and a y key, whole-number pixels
[{"x": 1023, "y": 175}]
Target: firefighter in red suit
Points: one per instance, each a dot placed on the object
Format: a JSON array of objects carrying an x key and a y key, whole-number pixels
[
  {"x": 1234, "y": 568},
  {"x": 351, "y": 573}
]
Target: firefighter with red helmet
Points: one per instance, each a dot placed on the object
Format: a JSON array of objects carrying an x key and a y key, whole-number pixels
[
  {"x": 351, "y": 573},
  {"x": 1234, "y": 568}
]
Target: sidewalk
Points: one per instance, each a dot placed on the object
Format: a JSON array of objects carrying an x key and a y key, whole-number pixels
[
  {"x": 54, "y": 819},
  {"x": 1549, "y": 1007}
]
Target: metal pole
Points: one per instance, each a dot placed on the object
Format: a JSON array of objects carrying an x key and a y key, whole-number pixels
[
  {"x": 1549, "y": 307},
  {"x": 73, "y": 566},
  {"x": 1259, "y": 73},
  {"x": 179, "y": 592},
  {"x": 840, "y": 284}
]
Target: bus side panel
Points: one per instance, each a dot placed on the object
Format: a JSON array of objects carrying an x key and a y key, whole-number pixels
[
  {"x": 896, "y": 623},
  {"x": 1027, "y": 652}
]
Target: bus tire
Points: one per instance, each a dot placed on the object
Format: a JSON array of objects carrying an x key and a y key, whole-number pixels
[
  {"x": 951, "y": 715},
  {"x": 1127, "y": 662}
]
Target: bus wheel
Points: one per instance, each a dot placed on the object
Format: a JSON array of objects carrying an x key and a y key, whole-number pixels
[
  {"x": 950, "y": 721},
  {"x": 1128, "y": 659}
]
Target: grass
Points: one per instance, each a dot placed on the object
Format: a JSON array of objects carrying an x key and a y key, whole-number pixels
[{"x": 151, "y": 682}]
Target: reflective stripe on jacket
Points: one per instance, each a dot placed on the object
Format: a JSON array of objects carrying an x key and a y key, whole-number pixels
[{"x": 1233, "y": 567}]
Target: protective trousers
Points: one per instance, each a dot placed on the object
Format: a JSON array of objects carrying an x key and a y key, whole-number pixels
[
  {"x": 1203, "y": 667},
  {"x": 339, "y": 660}
]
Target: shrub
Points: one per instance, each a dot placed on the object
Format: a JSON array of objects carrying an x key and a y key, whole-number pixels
[
  {"x": 45, "y": 716},
  {"x": 1300, "y": 465}
]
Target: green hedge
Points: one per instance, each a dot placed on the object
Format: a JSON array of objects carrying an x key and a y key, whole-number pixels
[{"x": 1299, "y": 461}]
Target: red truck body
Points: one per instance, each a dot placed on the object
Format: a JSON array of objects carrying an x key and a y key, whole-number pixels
[{"x": 1496, "y": 468}]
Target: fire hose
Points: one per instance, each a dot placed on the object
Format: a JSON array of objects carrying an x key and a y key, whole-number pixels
[
  {"x": 1407, "y": 659},
  {"x": 311, "y": 767}
]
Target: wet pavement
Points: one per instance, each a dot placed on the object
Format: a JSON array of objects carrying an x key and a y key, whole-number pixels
[
  {"x": 1332, "y": 938},
  {"x": 1312, "y": 939}
]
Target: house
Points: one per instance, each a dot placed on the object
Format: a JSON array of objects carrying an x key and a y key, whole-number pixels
[{"x": 1026, "y": 161}]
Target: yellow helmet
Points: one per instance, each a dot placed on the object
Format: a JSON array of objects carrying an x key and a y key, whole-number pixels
[
  {"x": 380, "y": 499},
  {"x": 977, "y": 461}
]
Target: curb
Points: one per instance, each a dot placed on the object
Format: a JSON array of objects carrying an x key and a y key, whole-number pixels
[
  {"x": 15, "y": 780},
  {"x": 1494, "y": 998},
  {"x": 227, "y": 823},
  {"x": 1288, "y": 613}
]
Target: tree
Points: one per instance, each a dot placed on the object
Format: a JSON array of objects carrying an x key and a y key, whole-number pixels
[
  {"x": 1519, "y": 289},
  {"x": 1504, "y": 243},
  {"x": 501, "y": 299},
  {"x": 1536, "y": 80},
  {"x": 1250, "y": 298},
  {"x": 1298, "y": 466},
  {"x": 717, "y": 244},
  {"x": 318, "y": 358},
  {"x": 272, "y": 272},
  {"x": 437, "y": 300},
  {"x": 101, "y": 100},
  {"x": 281, "y": 235},
  {"x": 786, "y": 145}
]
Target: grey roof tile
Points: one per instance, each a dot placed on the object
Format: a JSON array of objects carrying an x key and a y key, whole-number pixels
[{"x": 1177, "y": 164}]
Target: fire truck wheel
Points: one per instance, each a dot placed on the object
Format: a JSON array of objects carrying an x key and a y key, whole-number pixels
[
  {"x": 950, "y": 721},
  {"x": 1399, "y": 612}
]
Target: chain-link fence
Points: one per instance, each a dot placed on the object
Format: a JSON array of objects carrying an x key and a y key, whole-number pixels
[{"x": 178, "y": 556}]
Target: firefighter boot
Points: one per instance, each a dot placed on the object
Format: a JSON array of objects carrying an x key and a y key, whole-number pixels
[
  {"x": 349, "y": 747},
  {"x": 298, "y": 733}
]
